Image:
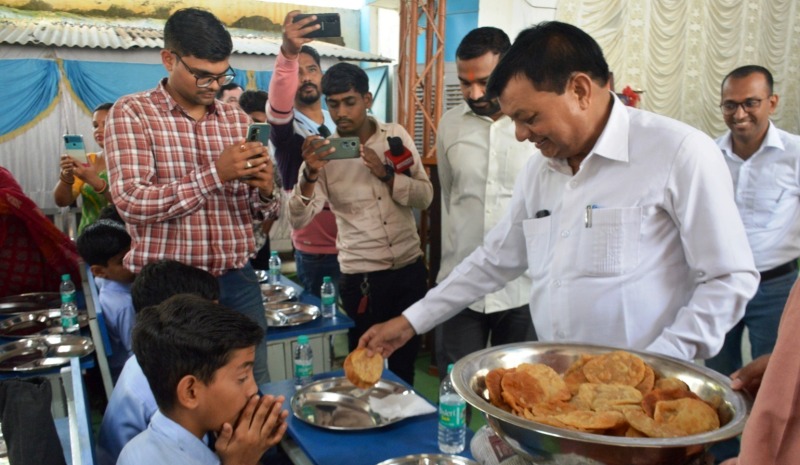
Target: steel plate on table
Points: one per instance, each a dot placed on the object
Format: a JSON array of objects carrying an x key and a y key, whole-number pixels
[
  {"x": 30, "y": 301},
  {"x": 429, "y": 459},
  {"x": 280, "y": 314},
  {"x": 336, "y": 404},
  {"x": 262, "y": 275},
  {"x": 277, "y": 293},
  {"x": 36, "y": 324},
  {"x": 43, "y": 352}
]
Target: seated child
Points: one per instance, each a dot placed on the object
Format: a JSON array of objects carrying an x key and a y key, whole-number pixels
[
  {"x": 103, "y": 244},
  {"x": 198, "y": 358},
  {"x": 132, "y": 403}
]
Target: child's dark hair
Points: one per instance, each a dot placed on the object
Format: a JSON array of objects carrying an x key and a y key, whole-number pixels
[
  {"x": 253, "y": 100},
  {"x": 102, "y": 240},
  {"x": 158, "y": 281},
  {"x": 109, "y": 212},
  {"x": 188, "y": 335}
]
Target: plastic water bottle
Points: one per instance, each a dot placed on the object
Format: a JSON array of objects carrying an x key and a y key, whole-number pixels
[
  {"x": 327, "y": 295},
  {"x": 303, "y": 362},
  {"x": 452, "y": 417},
  {"x": 274, "y": 268},
  {"x": 69, "y": 309}
]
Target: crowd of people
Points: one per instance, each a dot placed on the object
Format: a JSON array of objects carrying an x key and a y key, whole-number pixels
[{"x": 566, "y": 216}]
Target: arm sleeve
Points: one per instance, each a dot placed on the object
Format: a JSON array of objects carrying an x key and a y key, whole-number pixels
[
  {"x": 282, "y": 89},
  {"x": 300, "y": 214}
]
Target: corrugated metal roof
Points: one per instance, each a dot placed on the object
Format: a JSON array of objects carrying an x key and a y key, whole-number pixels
[{"x": 48, "y": 32}]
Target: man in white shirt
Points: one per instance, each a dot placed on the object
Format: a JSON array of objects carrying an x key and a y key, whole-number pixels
[
  {"x": 764, "y": 162},
  {"x": 643, "y": 247},
  {"x": 478, "y": 160}
]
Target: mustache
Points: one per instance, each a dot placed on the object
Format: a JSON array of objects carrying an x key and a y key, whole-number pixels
[
  {"x": 343, "y": 120},
  {"x": 483, "y": 99},
  {"x": 308, "y": 85}
]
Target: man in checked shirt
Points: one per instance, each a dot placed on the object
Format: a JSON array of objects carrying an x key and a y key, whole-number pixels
[{"x": 178, "y": 159}]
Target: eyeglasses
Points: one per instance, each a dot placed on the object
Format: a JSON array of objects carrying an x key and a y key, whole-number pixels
[
  {"x": 730, "y": 107},
  {"x": 204, "y": 79}
]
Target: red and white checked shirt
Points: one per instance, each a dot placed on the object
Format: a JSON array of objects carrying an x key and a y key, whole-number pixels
[{"x": 165, "y": 184}]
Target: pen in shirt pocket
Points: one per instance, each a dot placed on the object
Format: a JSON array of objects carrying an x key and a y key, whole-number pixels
[
  {"x": 542, "y": 214},
  {"x": 587, "y": 216}
]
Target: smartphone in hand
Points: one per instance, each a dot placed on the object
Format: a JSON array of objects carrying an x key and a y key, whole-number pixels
[
  {"x": 346, "y": 147},
  {"x": 258, "y": 132},
  {"x": 329, "y": 25},
  {"x": 74, "y": 147}
]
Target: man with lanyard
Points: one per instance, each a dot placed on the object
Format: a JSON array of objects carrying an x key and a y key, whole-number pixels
[
  {"x": 178, "y": 161},
  {"x": 294, "y": 111}
]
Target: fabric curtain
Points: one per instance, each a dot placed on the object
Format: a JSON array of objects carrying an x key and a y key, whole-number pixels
[
  {"x": 262, "y": 80},
  {"x": 679, "y": 51},
  {"x": 95, "y": 82},
  {"x": 30, "y": 88}
]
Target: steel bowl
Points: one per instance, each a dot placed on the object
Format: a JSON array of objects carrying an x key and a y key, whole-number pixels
[{"x": 550, "y": 445}]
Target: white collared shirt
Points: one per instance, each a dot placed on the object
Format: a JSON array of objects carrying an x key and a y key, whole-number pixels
[
  {"x": 767, "y": 190},
  {"x": 166, "y": 442},
  {"x": 478, "y": 160},
  {"x": 664, "y": 266}
]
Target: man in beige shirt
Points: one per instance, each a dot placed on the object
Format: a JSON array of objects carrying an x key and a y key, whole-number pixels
[{"x": 379, "y": 248}]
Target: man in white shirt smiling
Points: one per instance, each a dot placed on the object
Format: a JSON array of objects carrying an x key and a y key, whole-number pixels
[
  {"x": 643, "y": 247},
  {"x": 478, "y": 160}
]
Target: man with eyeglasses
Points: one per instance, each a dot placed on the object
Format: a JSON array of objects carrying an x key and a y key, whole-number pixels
[
  {"x": 764, "y": 162},
  {"x": 178, "y": 160}
]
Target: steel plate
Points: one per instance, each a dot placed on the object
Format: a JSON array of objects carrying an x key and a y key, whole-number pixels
[
  {"x": 429, "y": 459},
  {"x": 43, "y": 352},
  {"x": 336, "y": 404},
  {"x": 36, "y": 324},
  {"x": 30, "y": 301},
  {"x": 277, "y": 293},
  {"x": 282, "y": 314}
]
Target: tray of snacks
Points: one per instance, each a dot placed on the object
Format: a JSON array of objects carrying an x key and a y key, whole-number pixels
[
  {"x": 283, "y": 314},
  {"x": 273, "y": 293},
  {"x": 593, "y": 405},
  {"x": 429, "y": 459},
  {"x": 43, "y": 352},
  {"x": 37, "y": 323}
]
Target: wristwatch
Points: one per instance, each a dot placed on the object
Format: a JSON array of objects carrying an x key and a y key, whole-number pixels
[{"x": 389, "y": 173}]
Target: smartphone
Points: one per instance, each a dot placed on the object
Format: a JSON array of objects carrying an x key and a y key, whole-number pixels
[
  {"x": 346, "y": 147},
  {"x": 73, "y": 144},
  {"x": 258, "y": 132},
  {"x": 329, "y": 25}
]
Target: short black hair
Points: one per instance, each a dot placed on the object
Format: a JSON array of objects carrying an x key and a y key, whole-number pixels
[
  {"x": 198, "y": 33},
  {"x": 188, "y": 335},
  {"x": 548, "y": 54},
  {"x": 747, "y": 70},
  {"x": 478, "y": 42},
  {"x": 102, "y": 240},
  {"x": 109, "y": 212},
  {"x": 312, "y": 52},
  {"x": 158, "y": 281},
  {"x": 253, "y": 100},
  {"x": 102, "y": 106},
  {"x": 227, "y": 87},
  {"x": 342, "y": 77}
]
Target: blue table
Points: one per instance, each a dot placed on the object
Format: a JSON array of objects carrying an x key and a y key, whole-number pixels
[{"x": 415, "y": 435}]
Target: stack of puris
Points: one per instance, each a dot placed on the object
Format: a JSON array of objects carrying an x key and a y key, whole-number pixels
[
  {"x": 362, "y": 370},
  {"x": 614, "y": 394}
]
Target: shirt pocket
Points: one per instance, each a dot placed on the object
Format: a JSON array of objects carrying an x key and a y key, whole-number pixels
[
  {"x": 537, "y": 240},
  {"x": 610, "y": 247},
  {"x": 763, "y": 205}
]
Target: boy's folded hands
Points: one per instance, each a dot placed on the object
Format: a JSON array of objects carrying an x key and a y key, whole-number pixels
[{"x": 261, "y": 425}]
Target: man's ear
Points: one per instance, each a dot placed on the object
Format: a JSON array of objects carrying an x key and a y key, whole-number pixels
[
  {"x": 368, "y": 100},
  {"x": 99, "y": 271},
  {"x": 168, "y": 59},
  {"x": 580, "y": 86},
  {"x": 188, "y": 394}
]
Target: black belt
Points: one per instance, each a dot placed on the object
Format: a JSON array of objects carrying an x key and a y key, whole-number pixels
[{"x": 779, "y": 271}]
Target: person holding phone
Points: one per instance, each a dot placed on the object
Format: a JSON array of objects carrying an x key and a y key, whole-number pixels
[
  {"x": 379, "y": 248},
  {"x": 87, "y": 178}
]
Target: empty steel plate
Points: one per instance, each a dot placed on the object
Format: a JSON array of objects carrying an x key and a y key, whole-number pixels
[
  {"x": 277, "y": 293},
  {"x": 280, "y": 314},
  {"x": 43, "y": 352},
  {"x": 36, "y": 324},
  {"x": 429, "y": 459},
  {"x": 336, "y": 404},
  {"x": 30, "y": 301}
]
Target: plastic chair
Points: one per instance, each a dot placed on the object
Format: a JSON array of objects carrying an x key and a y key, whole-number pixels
[{"x": 98, "y": 329}]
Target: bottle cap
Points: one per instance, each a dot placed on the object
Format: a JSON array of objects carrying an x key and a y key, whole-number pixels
[
  {"x": 274, "y": 252},
  {"x": 449, "y": 368},
  {"x": 326, "y": 279},
  {"x": 302, "y": 339},
  {"x": 66, "y": 277}
]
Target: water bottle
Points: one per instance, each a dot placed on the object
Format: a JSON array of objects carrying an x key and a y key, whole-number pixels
[
  {"x": 69, "y": 309},
  {"x": 452, "y": 417},
  {"x": 327, "y": 295},
  {"x": 303, "y": 362},
  {"x": 274, "y": 268}
]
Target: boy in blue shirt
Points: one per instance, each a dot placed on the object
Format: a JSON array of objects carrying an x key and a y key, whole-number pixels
[
  {"x": 132, "y": 403},
  {"x": 103, "y": 244},
  {"x": 198, "y": 358}
]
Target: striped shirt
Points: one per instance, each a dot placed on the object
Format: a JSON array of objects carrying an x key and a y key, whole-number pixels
[{"x": 165, "y": 184}]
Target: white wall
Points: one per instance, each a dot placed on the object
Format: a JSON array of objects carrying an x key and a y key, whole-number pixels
[{"x": 513, "y": 16}]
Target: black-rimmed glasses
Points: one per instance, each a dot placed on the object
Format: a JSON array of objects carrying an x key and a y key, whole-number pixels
[
  {"x": 729, "y": 107},
  {"x": 204, "y": 79}
]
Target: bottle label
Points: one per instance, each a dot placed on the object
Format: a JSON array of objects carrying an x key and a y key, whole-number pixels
[
  {"x": 328, "y": 300},
  {"x": 452, "y": 415},
  {"x": 69, "y": 323},
  {"x": 303, "y": 369}
]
